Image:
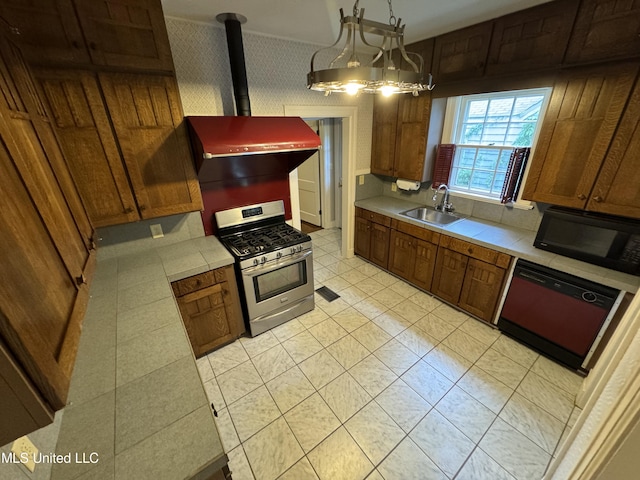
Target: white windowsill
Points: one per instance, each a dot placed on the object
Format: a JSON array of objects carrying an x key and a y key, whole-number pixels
[{"x": 519, "y": 204}]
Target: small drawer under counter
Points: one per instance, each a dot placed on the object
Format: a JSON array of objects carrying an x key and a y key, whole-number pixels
[{"x": 210, "y": 308}]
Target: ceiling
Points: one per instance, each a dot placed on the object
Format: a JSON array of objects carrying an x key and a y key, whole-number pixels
[{"x": 317, "y": 21}]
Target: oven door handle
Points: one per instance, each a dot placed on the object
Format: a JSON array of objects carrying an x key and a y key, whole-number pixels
[{"x": 267, "y": 267}]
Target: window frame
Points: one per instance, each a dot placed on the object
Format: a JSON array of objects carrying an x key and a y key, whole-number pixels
[{"x": 452, "y": 122}]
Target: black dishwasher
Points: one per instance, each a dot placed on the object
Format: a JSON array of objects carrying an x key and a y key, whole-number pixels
[{"x": 554, "y": 312}]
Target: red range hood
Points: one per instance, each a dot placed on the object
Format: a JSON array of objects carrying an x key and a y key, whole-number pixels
[{"x": 228, "y": 149}]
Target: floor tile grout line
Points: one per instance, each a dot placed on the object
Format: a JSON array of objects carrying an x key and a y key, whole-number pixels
[{"x": 476, "y": 445}]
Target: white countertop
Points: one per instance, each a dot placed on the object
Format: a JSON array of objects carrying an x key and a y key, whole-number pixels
[{"x": 517, "y": 242}]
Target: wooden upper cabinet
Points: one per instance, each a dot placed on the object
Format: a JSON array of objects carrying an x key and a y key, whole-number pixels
[
  {"x": 605, "y": 30},
  {"x": 45, "y": 259},
  {"x": 531, "y": 39},
  {"x": 126, "y": 33},
  {"x": 147, "y": 118},
  {"x": 462, "y": 54},
  {"x": 383, "y": 147},
  {"x": 411, "y": 137},
  {"x": 617, "y": 189},
  {"x": 89, "y": 145},
  {"x": 46, "y": 30},
  {"x": 585, "y": 108},
  {"x": 400, "y": 125}
]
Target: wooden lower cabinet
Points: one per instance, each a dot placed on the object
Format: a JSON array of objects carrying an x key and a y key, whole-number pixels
[
  {"x": 449, "y": 275},
  {"x": 210, "y": 309},
  {"x": 372, "y": 237},
  {"x": 470, "y": 276},
  {"x": 412, "y": 259},
  {"x": 481, "y": 289}
]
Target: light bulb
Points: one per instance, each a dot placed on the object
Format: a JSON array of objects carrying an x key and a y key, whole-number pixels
[
  {"x": 388, "y": 90},
  {"x": 353, "y": 88}
]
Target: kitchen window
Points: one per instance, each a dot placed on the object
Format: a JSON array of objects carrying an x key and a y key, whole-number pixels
[{"x": 488, "y": 139}]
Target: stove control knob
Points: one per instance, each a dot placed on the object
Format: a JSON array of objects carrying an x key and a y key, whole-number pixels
[
  {"x": 263, "y": 260},
  {"x": 299, "y": 248},
  {"x": 255, "y": 261},
  {"x": 279, "y": 255},
  {"x": 293, "y": 250}
]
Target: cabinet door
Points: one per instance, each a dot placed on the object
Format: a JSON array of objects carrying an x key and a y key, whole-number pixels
[
  {"x": 379, "y": 245},
  {"x": 126, "y": 33},
  {"x": 584, "y": 111},
  {"x": 205, "y": 318},
  {"x": 362, "y": 245},
  {"x": 448, "y": 275},
  {"x": 617, "y": 189},
  {"x": 605, "y": 30},
  {"x": 20, "y": 110},
  {"x": 481, "y": 289},
  {"x": 413, "y": 122},
  {"x": 383, "y": 146},
  {"x": 424, "y": 264},
  {"x": 89, "y": 145},
  {"x": 462, "y": 54},
  {"x": 401, "y": 254},
  {"x": 47, "y": 31},
  {"x": 531, "y": 39},
  {"x": 147, "y": 117},
  {"x": 43, "y": 252}
]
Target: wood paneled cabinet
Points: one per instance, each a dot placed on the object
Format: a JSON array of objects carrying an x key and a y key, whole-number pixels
[
  {"x": 605, "y": 30},
  {"x": 210, "y": 309},
  {"x": 124, "y": 142},
  {"x": 581, "y": 120},
  {"x": 400, "y": 125},
  {"x": 372, "y": 236},
  {"x": 531, "y": 39},
  {"x": 462, "y": 54},
  {"x": 412, "y": 253},
  {"x": 617, "y": 187},
  {"x": 47, "y": 254},
  {"x": 469, "y": 276},
  {"x": 127, "y": 34}
]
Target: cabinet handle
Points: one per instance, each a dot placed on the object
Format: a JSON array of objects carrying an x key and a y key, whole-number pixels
[
  {"x": 470, "y": 250},
  {"x": 597, "y": 198},
  {"x": 92, "y": 45},
  {"x": 142, "y": 207},
  {"x": 470, "y": 268},
  {"x": 128, "y": 210},
  {"x": 75, "y": 44},
  {"x": 582, "y": 196}
]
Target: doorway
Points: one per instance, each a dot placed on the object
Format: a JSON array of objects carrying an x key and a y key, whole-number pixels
[
  {"x": 345, "y": 121},
  {"x": 320, "y": 178}
]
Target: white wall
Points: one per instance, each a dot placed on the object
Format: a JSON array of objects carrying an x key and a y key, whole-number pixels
[{"x": 276, "y": 71}]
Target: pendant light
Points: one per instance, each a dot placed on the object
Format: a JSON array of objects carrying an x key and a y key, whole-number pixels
[{"x": 354, "y": 71}]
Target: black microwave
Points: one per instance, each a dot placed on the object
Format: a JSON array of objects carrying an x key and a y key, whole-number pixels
[{"x": 612, "y": 242}]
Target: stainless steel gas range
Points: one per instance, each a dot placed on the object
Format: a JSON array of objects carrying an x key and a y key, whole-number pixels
[{"x": 274, "y": 264}]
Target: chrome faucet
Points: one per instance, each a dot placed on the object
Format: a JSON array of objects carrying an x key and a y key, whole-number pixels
[{"x": 444, "y": 205}]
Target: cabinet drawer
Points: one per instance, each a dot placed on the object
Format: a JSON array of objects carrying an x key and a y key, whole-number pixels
[
  {"x": 415, "y": 231},
  {"x": 374, "y": 217},
  {"x": 470, "y": 249},
  {"x": 197, "y": 282}
]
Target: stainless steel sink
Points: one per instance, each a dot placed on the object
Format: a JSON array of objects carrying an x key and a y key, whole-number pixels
[{"x": 432, "y": 216}]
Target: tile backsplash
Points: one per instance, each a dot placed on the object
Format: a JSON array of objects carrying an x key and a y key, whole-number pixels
[
  {"x": 136, "y": 237},
  {"x": 528, "y": 219}
]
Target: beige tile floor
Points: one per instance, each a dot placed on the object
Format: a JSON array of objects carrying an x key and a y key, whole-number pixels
[{"x": 385, "y": 382}]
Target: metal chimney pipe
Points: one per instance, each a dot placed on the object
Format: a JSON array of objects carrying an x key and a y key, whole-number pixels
[{"x": 232, "y": 22}]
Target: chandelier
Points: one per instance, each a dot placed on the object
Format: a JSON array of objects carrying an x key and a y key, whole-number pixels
[{"x": 377, "y": 73}]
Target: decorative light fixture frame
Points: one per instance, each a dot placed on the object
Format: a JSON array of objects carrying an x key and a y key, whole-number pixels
[{"x": 369, "y": 78}]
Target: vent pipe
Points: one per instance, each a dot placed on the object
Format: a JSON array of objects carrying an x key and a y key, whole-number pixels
[{"x": 232, "y": 22}]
